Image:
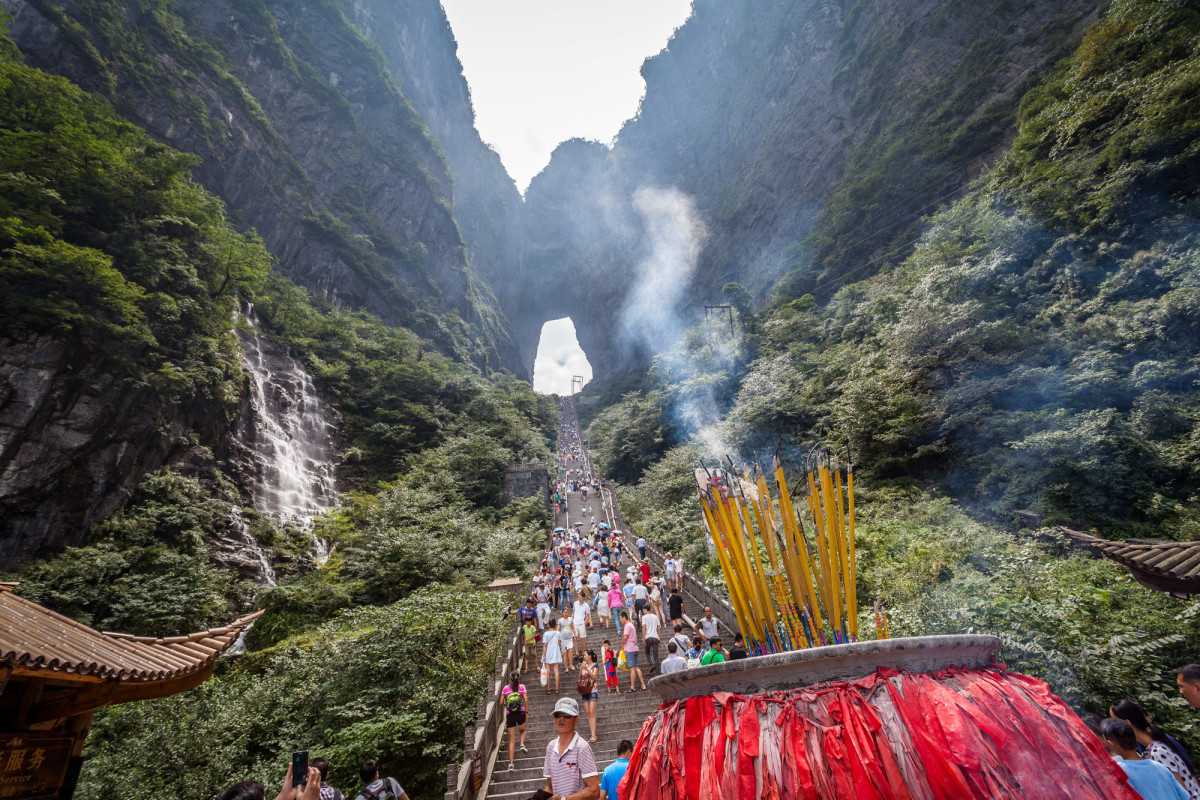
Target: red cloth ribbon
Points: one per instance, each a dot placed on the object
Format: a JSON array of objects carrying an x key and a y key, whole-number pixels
[{"x": 952, "y": 735}]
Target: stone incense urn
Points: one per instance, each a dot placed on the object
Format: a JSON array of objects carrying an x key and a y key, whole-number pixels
[
  {"x": 905, "y": 719},
  {"x": 798, "y": 668}
]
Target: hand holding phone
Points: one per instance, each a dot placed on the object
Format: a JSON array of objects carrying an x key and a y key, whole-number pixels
[{"x": 299, "y": 768}]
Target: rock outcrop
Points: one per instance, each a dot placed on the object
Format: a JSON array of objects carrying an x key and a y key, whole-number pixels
[
  {"x": 765, "y": 113},
  {"x": 74, "y": 442},
  {"x": 421, "y": 54}
]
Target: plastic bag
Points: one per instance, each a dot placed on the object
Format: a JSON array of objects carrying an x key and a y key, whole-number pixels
[
  {"x": 544, "y": 675},
  {"x": 621, "y": 661}
]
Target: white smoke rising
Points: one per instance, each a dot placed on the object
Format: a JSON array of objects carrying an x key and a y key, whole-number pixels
[{"x": 672, "y": 239}]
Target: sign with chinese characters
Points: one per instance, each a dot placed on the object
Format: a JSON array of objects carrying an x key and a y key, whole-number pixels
[{"x": 33, "y": 764}]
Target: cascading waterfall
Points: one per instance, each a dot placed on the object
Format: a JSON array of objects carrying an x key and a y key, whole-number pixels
[{"x": 285, "y": 436}]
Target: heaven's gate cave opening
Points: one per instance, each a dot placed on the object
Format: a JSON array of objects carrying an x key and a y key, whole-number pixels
[{"x": 559, "y": 358}]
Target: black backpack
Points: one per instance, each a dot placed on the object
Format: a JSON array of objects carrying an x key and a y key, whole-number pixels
[{"x": 385, "y": 791}]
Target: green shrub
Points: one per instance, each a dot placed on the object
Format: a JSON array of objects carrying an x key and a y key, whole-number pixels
[{"x": 396, "y": 683}]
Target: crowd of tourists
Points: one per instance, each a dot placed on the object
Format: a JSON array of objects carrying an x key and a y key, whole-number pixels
[
  {"x": 1158, "y": 766},
  {"x": 589, "y": 586}
]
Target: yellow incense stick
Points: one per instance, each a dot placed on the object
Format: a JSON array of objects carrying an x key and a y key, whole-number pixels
[
  {"x": 731, "y": 582},
  {"x": 800, "y": 560},
  {"x": 850, "y": 545}
]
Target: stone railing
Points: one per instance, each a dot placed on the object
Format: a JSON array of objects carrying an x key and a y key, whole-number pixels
[{"x": 481, "y": 738}]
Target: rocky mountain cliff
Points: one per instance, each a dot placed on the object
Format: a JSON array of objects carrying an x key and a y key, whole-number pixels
[
  {"x": 421, "y": 54},
  {"x": 301, "y": 125},
  {"x": 783, "y": 139},
  {"x": 303, "y": 130},
  {"x": 811, "y": 135}
]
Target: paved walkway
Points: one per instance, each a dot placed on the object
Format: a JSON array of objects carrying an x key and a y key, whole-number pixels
[{"x": 617, "y": 716}]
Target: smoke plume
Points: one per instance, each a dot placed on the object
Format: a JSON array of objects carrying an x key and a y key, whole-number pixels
[{"x": 671, "y": 241}]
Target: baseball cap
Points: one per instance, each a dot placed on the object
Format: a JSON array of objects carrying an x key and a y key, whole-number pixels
[{"x": 567, "y": 705}]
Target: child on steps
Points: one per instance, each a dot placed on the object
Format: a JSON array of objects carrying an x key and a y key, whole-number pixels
[{"x": 609, "y": 656}]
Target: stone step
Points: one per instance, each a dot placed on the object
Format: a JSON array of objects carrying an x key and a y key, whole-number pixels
[
  {"x": 611, "y": 723},
  {"x": 618, "y": 716},
  {"x": 605, "y": 751},
  {"x": 528, "y": 779},
  {"x": 633, "y": 717}
]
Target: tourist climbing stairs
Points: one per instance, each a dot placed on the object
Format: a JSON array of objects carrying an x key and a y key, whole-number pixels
[{"x": 617, "y": 717}]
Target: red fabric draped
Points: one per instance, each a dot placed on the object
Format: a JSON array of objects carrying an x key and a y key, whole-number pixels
[{"x": 954, "y": 734}]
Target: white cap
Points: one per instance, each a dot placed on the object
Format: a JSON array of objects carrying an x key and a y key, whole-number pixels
[{"x": 567, "y": 705}]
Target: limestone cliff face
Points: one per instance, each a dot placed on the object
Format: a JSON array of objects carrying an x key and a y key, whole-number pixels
[
  {"x": 301, "y": 130},
  {"x": 421, "y": 54},
  {"x": 74, "y": 440},
  {"x": 783, "y": 119},
  {"x": 581, "y": 241}
]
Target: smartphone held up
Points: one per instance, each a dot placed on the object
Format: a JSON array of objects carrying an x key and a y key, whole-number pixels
[{"x": 299, "y": 768}]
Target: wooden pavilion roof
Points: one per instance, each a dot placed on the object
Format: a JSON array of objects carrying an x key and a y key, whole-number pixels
[
  {"x": 1164, "y": 566},
  {"x": 38, "y": 643}
]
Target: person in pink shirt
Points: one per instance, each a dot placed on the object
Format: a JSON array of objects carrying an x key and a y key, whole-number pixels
[
  {"x": 629, "y": 642},
  {"x": 616, "y": 601}
]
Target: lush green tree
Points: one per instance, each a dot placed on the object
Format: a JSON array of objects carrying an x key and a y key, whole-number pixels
[
  {"x": 396, "y": 683},
  {"x": 627, "y": 437},
  {"x": 146, "y": 569}
]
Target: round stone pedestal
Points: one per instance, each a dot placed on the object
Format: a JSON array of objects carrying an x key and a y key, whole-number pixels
[{"x": 839, "y": 662}]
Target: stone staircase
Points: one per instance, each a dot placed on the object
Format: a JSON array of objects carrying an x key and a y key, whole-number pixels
[{"x": 618, "y": 716}]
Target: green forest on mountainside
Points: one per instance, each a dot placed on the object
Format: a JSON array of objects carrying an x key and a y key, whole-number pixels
[
  {"x": 1035, "y": 352},
  {"x": 153, "y": 54},
  {"x": 106, "y": 243}
]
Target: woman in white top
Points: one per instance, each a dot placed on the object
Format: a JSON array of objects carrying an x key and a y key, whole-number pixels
[
  {"x": 602, "y": 600},
  {"x": 552, "y": 651},
  {"x": 640, "y": 596},
  {"x": 656, "y": 606},
  {"x": 650, "y": 624},
  {"x": 567, "y": 640}
]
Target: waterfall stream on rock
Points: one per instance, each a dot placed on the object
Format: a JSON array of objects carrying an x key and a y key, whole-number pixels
[{"x": 285, "y": 439}]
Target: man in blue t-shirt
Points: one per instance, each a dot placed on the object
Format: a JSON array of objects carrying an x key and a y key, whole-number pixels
[{"x": 611, "y": 778}]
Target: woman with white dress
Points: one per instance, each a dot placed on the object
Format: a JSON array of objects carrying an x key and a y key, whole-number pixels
[
  {"x": 552, "y": 651},
  {"x": 602, "y": 600},
  {"x": 566, "y": 637}
]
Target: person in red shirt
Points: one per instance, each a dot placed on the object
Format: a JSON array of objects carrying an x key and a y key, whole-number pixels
[{"x": 645, "y": 572}]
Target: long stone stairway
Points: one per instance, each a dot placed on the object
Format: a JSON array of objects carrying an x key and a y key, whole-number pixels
[{"x": 618, "y": 716}]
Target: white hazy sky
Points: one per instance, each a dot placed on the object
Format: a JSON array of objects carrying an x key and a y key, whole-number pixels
[
  {"x": 543, "y": 71},
  {"x": 559, "y": 357}
]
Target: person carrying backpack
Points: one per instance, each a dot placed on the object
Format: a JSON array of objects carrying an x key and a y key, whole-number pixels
[
  {"x": 515, "y": 700},
  {"x": 530, "y": 633},
  {"x": 378, "y": 788}
]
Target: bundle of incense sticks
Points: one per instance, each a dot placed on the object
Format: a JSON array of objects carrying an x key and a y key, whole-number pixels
[{"x": 805, "y": 593}]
